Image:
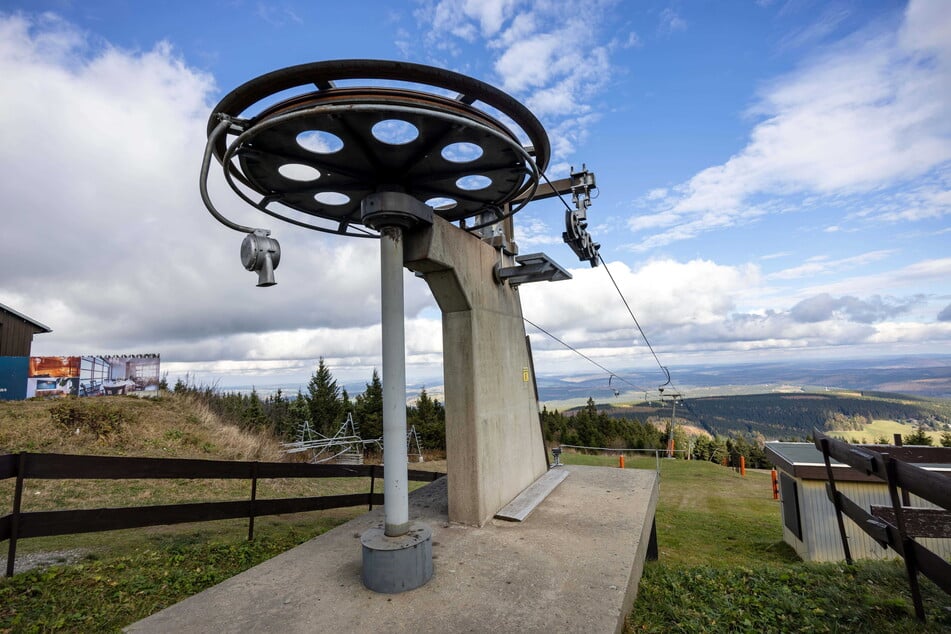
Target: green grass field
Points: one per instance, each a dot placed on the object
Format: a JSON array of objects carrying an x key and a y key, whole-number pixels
[
  {"x": 883, "y": 428},
  {"x": 723, "y": 566}
]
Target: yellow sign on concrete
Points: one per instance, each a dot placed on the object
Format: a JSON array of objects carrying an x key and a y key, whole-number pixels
[{"x": 525, "y": 374}]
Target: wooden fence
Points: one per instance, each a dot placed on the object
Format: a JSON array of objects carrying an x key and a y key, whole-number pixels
[
  {"x": 895, "y": 526},
  {"x": 24, "y": 466}
]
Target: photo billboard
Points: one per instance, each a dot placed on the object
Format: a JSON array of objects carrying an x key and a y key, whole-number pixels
[{"x": 101, "y": 375}]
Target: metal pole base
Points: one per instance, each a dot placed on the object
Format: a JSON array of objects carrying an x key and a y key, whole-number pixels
[{"x": 396, "y": 564}]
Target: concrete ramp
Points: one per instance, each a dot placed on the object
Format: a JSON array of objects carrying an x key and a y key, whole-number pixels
[
  {"x": 526, "y": 501},
  {"x": 573, "y": 565}
]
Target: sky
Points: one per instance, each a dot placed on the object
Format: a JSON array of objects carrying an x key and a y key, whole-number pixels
[{"x": 774, "y": 180}]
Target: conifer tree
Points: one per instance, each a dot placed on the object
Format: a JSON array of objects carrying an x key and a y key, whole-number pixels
[
  {"x": 299, "y": 414},
  {"x": 346, "y": 405},
  {"x": 323, "y": 400},
  {"x": 369, "y": 409}
]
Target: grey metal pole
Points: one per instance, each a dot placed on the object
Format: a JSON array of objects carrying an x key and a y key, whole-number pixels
[{"x": 395, "y": 492}]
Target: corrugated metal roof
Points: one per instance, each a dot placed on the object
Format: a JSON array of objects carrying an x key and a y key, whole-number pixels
[
  {"x": 805, "y": 454},
  {"x": 42, "y": 327},
  {"x": 800, "y": 453}
]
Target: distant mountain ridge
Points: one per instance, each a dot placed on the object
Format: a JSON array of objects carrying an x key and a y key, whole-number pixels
[{"x": 928, "y": 376}]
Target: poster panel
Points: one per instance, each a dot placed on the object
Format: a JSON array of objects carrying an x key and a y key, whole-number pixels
[
  {"x": 103, "y": 375},
  {"x": 53, "y": 376}
]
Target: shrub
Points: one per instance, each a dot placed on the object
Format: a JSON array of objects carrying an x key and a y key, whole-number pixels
[{"x": 93, "y": 415}]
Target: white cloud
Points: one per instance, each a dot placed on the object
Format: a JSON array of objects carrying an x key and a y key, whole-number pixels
[
  {"x": 670, "y": 21},
  {"x": 545, "y": 53},
  {"x": 114, "y": 249},
  {"x": 823, "y": 265},
  {"x": 817, "y": 31},
  {"x": 695, "y": 307},
  {"x": 919, "y": 277},
  {"x": 870, "y": 113},
  {"x": 531, "y": 230},
  {"x": 662, "y": 293}
]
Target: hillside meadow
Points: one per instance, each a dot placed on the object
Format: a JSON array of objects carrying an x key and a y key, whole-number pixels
[
  {"x": 722, "y": 567},
  {"x": 887, "y": 429}
]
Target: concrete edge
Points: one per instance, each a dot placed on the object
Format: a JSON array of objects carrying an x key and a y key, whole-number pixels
[
  {"x": 534, "y": 494},
  {"x": 638, "y": 570}
]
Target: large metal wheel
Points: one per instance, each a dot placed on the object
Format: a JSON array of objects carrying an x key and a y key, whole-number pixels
[{"x": 321, "y": 152}]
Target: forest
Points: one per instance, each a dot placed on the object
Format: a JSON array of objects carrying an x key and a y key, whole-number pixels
[
  {"x": 781, "y": 416},
  {"x": 734, "y": 425},
  {"x": 324, "y": 407}
]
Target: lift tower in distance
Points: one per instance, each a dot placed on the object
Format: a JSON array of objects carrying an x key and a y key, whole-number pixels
[{"x": 418, "y": 158}]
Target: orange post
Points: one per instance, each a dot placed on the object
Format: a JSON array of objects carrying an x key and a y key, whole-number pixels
[
  {"x": 742, "y": 465},
  {"x": 620, "y": 461},
  {"x": 775, "y": 485}
]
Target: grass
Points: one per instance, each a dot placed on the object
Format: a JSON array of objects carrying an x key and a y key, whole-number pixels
[
  {"x": 128, "y": 574},
  {"x": 104, "y": 595},
  {"x": 723, "y": 566},
  {"x": 887, "y": 428}
]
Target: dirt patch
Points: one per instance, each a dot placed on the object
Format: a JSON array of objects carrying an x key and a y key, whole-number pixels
[{"x": 29, "y": 561}]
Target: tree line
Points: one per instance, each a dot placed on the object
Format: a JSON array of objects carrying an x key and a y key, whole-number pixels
[
  {"x": 793, "y": 416},
  {"x": 590, "y": 426},
  {"x": 738, "y": 424},
  {"x": 323, "y": 407}
]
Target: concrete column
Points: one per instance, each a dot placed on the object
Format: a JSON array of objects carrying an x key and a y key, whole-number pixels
[
  {"x": 395, "y": 492},
  {"x": 494, "y": 447}
]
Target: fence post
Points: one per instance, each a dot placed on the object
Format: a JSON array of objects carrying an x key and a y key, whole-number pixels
[
  {"x": 743, "y": 466},
  {"x": 254, "y": 495},
  {"x": 911, "y": 562},
  {"x": 15, "y": 517},
  {"x": 836, "y": 501},
  {"x": 372, "y": 485}
]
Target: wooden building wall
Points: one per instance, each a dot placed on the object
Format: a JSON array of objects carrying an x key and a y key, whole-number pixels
[
  {"x": 16, "y": 335},
  {"x": 820, "y": 530}
]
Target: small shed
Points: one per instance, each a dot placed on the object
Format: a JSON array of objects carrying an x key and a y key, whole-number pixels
[
  {"x": 809, "y": 522},
  {"x": 16, "y": 332}
]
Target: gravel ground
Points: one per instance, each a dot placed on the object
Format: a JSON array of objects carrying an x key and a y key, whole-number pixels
[{"x": 29, "y": 561}]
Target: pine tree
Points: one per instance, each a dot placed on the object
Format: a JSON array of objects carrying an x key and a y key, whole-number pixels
[
  {"x": 369, "y": 409},
  {"x": 918, "y": 437},
  {"x": 253, "y": 416},
  {"x": 278, "y": 410},
  {"x": 346, "y": 405},
  {"x": 323, "y": 400},
  {"x": 299, "y": 414},
  {"x": 429, "y": 417}
]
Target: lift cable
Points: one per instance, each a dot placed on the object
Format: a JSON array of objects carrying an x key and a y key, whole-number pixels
[
  {"x": 636, "y": 323},
  {"x": 610, "y": 373},
  {"x": 662, "y": 367}
]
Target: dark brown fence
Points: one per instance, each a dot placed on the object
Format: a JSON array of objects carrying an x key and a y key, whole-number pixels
[
  {"x": 25, "y": 466},
  {"x": 897, "y": 525}
]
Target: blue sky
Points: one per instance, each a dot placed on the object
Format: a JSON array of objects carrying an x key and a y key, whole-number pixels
[{"x": 774, "y": 179}]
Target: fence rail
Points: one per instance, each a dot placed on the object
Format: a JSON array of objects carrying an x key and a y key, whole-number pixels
[
  {"x": 895, "y": 526},
  {"x": 25, "y": 466}
]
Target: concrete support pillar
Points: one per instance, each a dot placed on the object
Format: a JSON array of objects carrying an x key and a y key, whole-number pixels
[
  {"x": 395, "y": 491},
  {"x": 494, "y": 447}
]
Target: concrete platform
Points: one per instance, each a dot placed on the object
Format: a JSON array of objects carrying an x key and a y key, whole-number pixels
[{"x": 573, "y": 565}]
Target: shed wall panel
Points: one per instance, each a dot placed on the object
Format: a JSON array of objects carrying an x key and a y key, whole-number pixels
[
  {"x": 821, "y": 530},
  {"x": 16, "y": 335}
]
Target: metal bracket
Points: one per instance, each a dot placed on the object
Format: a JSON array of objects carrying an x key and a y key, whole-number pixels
[
  {"x": 576, "y": 233},
  {"x": 388, "y": 209},
  {"x": 533, "y": 267}
]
